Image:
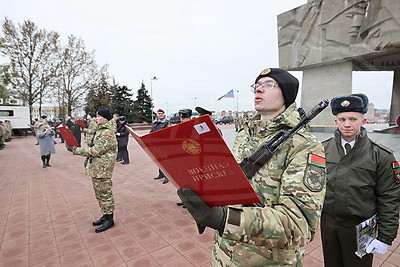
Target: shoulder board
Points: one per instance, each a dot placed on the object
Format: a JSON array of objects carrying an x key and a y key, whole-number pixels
[
  {"x": 327, "y": 140},
  {"x": 387, "y": 149}
]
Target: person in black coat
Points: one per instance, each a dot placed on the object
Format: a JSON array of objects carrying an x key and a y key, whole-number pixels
[
  {"x": 76, "y": 131},
  {"x": 160, "y": 123},
  {"x": 122, "y": 139}
]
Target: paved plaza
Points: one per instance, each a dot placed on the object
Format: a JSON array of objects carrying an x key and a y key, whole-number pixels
[{"x": 46, "y": 214}]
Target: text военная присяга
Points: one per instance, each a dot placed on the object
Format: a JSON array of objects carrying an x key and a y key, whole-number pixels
[{"x": 212, "y": 171}]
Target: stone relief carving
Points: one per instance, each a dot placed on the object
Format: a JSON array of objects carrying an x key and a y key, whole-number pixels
[{"x": 326, "y": 31}]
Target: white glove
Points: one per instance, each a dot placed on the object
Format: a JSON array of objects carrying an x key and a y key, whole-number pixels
[
  {"x": 118, "y": 134},
  {"x": 377, "y": 247}
]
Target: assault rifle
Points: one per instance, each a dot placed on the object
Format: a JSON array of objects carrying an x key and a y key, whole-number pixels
[{"x": 251, "y": 164}]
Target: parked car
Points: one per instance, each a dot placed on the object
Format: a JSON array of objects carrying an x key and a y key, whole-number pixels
[{"x": 224, "y": 120}]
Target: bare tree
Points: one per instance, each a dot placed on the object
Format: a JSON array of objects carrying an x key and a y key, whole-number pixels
[
  {"x": 76, "y": 72},
  {"x": 31, "y": 52}
]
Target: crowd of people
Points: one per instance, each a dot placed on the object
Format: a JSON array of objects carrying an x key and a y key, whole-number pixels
[{"x": 335, "y": 185}]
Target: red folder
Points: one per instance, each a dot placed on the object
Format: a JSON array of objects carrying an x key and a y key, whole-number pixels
[
  {"x": 81, "y": 123},
  {"x": 193, "y": 154},
  {"x": 67, "y": 135}
]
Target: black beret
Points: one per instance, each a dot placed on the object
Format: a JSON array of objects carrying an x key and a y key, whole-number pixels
[
  {"x": 185, "y": 113},
  {"x": 105, "y": 113},
  {"x": 286, "y": 81},
  {"x": 43, "y": 116},
  {"x": 349, "y": 103},
  {"x": 203, "y": 111},
  {"x": 92, "y": 114}
]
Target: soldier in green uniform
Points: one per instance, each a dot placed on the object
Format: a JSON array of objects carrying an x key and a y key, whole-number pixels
[
  {"x": 2, "y": 135},
  {"x": 43, "y": 119},
  {"x": 291, "y": 186},
  {"x": 363, "y": 179},
  {"x": 7, "y": 125},
  {"x": 35, "y": 128},
  {"x": 102, "y": 156},
  {"x": 91, "y": 128}
]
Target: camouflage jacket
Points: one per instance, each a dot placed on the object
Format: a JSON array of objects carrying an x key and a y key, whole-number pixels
[
  {"x": 90, "y": 131},
  {"x": 102, "y": 154},
  {"x": 292, "y": 188}
]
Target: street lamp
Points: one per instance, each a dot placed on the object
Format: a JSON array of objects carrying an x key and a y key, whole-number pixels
[{"x": 151, "y": 95}]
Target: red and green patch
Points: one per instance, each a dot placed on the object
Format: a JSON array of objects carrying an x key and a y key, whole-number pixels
[
  {"x": 105, "y": 136},
  {"x": 395, "y": 165},
  {"x": 316, "y": 160}
]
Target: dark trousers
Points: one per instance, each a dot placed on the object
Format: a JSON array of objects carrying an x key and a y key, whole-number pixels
[
  {"x": 339, "y": 244},
  {"x": 46, "y": 159},
  {"x": 123, "y": 153}
]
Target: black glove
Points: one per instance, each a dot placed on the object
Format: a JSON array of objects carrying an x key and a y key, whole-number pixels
[
  {"x": 70, "y": 148},
  {"x": 203, "y": 214}
]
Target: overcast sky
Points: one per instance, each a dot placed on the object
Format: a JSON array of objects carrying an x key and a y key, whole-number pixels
[{"x": 198, "y": 50}]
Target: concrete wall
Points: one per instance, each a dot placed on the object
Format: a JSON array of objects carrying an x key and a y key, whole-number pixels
[
  {"x": 395, "y": 103},
  {"x": 325, "y": 82}
]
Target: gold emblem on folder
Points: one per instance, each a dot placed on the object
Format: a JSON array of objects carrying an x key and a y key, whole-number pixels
[{"x": 191, "y": 147}]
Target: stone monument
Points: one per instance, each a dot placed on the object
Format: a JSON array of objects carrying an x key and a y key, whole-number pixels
[{"x": 328, "y": 39}]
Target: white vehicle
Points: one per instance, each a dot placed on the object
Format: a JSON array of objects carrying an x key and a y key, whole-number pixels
[{"x": 19, "y": 117}]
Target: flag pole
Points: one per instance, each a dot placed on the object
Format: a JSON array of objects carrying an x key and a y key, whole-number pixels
[{"x": 234, "y": 97}]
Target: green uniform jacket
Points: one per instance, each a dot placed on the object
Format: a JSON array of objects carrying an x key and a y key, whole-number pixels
[
  {"x": 102, "y": 154},
  {"x": 361, "y": 184},
  {"x": 291, "y": 187}
]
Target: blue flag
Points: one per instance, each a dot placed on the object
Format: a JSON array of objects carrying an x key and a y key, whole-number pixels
[{"x": 227, "y": 95}]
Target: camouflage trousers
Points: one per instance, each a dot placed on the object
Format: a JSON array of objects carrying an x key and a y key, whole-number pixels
[
  {"x": 231, "y": 253},
  {"x": 103, "y": 191}
]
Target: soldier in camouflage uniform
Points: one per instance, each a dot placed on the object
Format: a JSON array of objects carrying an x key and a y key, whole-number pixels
[
  {"x": 363, "y": 180},
  {"x": 91, "y": 128},
  {"x": 7, "y": 125},
  {"x": 2, "y": 135},
  {"x": 102, "y": 156},
  {"x": 291, "y": 186}
]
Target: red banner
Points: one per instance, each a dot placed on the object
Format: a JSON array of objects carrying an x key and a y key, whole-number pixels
[
  {"x": 67, "y": 135},
  {"x": 81, "y": 123},
  {"x": 193, "y": 154}
]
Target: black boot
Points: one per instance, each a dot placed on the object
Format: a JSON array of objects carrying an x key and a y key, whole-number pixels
[
  {"x": 107, "y": 223},
  {"x": 160, "y": 175},
  {"x": 98, "y": 221}
]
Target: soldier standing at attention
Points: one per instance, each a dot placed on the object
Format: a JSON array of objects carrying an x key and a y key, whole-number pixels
[
  {"x": 2, "y": 135},
  {"x": 91, "y": 128},
  {"x": 291, "y": 186},
  {"x": 102, "y": 156},
  {"x": 363, "y": 180}
]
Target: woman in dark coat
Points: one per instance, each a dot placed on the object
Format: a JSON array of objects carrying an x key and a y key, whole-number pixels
[
  {"x": 46, "y": 144},
  {"x": 123, "y": 138}
]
